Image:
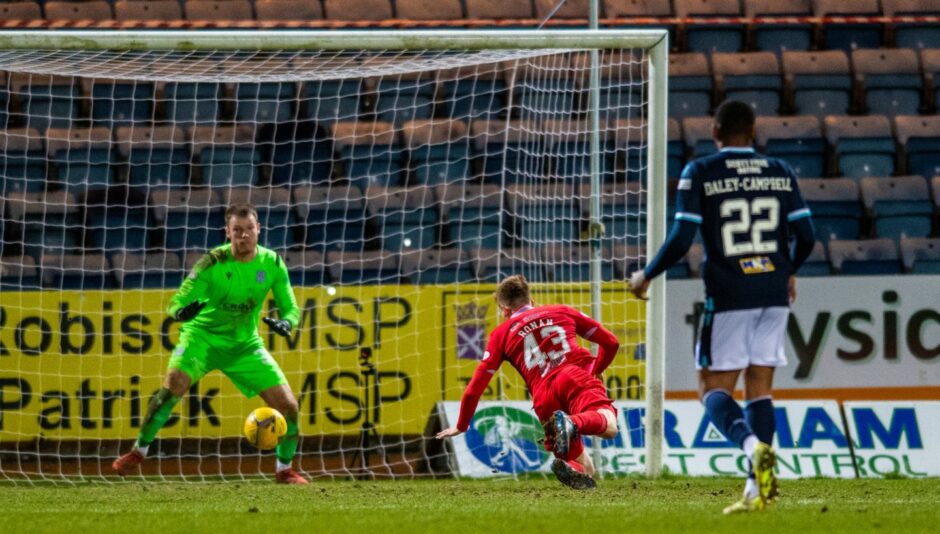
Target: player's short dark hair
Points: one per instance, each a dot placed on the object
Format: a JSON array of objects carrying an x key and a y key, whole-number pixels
[
  {"x": 734, "y": 118},
  {"x": 513, "y": 292},
  {"x": 240, "y": 210}
]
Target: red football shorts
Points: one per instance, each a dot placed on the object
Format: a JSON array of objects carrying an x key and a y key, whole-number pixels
[{"x": 571, "y": 390}]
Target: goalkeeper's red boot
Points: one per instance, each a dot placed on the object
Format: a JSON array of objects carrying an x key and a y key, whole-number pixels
[
  {"x": 130, "y": 461},
  {"x": 289, "y": 476}
]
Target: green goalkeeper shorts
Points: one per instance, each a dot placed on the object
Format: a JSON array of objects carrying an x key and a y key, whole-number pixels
[{"x": 247, "y": 364}]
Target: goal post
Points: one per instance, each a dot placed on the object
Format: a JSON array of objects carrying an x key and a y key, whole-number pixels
[{"x": 114, "y": 182}]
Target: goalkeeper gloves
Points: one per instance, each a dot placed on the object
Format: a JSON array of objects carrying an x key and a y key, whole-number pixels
[
  {"x": 190, "y": 310},
  {"x": 280, "y": 326}
]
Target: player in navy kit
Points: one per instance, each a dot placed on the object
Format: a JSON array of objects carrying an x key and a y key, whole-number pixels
[{"x": 748, "y": 208}]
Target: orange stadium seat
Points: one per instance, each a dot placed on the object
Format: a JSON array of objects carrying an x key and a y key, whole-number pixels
[
  {"x": 498, "y": 9},
  {"x": 78, "y": 11},
  {"x": 209, "y": 10},
  {"x": 20, "y": 11},
  {"x": 429, "y": 9},
  {"x": 358, "y": 10},
  {"x": 288, "y": 10},
  {"x": 148, "y": 10}
]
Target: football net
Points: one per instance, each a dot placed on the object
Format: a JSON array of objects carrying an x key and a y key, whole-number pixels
[{"x": 398, "y": 183}]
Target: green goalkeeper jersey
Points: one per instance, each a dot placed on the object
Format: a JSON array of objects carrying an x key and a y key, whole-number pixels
[{"x": 235, "y": 293}]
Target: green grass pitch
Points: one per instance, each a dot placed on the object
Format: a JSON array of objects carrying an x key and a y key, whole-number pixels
[{"x": 685, "y": 505}]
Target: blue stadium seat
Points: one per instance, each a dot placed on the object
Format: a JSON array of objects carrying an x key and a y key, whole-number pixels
[
  {"x": 473, "y": 215},
  {"x": 493, "y": 265},
  {"x": 821, "y": 82},
  {"x": 82, "y": 156},
  {"x": 187, "y": 103},
  {"x": 76, "y": 271},
  {"x": 155, "y": 155},
  {"x": 274, "y": 213},
  {"x": 402, "y": 97},
  {"x": 544, "y": 214},
  {"x": 930, "y": 63},
  {"x": 437, "y": 266},
  {"x": 817, "y": 264},
  {"x": 707, "y": 37},
  {"x": 796, "y": 140},
  {"x": 4, "y": 93},
  {"x": 623, "y": 212},
  {"x": 116, "y": 219},
  {"x": 190, "y": 218},
  {"x": 332, "y": 100},
  {"x": 116, "y": 102},
  {"x": 864, "y": 146},
  {"x": 544, "y": 87},
  {"x": 366, "y": 267},
  {"x": 921, "y": 255},
  {"x": 570, "y": 149},
  {"x": 147, "y": 271},
  {"x": 779, "y": 38},
  {"x": 899, "y": 205},
  {"x": 438, "y": 150},
  {"x": 18, "y": 273},
  {"x": 46, "y": 101},
  {"x": 331, "y": 217},
  {"x": 306, "y": 267},
  {"x": 836, "y": 206},
  {"x": 472, "y": 93},
  {"x": 849, "y": 36},
  {"x": 227, "y": 154},
  {"x": 572, "y": 264},
  {"x": 912, "y": 34},
  {"x": 697, "y": 133},
  {"x": 639, "y": 8},
  {"x": 47, "y": 223},
  {"x": 265, "y": 102},
  {"x": 751, "y": 77},
  {"x": 296, "y": 153},
  {"x": 370, "y": 152},
  {"x": 406, "y": 218},
  {"x": 865, "y": 257},
  {"x": 619, "y": 73},
  {"x": 22, "y": 161},
  {"x": 690, "y": 85},
  {"x": 502, "y": 147},
  {"x": 890, "y": 80},
  {"x": 626, "y": 144},
  {"x": 920, "y": 138}
]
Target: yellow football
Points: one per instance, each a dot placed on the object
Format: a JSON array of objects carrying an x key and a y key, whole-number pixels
[{"x": 265, "y": 427}]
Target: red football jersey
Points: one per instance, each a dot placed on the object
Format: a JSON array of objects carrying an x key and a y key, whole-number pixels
[{"x": 537, "y": 341}]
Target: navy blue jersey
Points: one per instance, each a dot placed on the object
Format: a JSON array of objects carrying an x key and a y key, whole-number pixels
[{"x": 743, "y": 202}]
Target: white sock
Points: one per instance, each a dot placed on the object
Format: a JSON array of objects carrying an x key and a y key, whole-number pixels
[
  {"x": 750, "y": 489},
  {"x": 282, "y": 467},
  {"x": 142, "y": 449},
  {"x": 749, "y": 443}
]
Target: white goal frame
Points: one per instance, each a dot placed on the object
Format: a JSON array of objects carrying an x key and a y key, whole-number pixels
[{"x": 654, "y": 40}]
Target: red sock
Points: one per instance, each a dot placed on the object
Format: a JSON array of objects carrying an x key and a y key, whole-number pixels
[
  {"x": 590, "y": 423},
  {"x": 576, "y": 466}
]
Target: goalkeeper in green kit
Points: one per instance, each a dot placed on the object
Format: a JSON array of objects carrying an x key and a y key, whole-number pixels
[{"x": 219, "y": 304}]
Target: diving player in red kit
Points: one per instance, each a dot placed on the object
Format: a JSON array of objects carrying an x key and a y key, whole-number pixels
[{"x": 563, "y": 378}]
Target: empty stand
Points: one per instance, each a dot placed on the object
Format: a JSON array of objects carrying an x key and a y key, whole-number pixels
[
  {"x": 544, "y": 214},
  {"x": 780, "y": 38},
  {"x": 75, "y": 271},
  {"x": 697, "y": 133},
  {"x": 476, "y": 92},
  {"x": 164, "y": 10},
  {"x": 498, "y": 9},
  {"x": 849, "y": 36},
  {"x": 18, "y": 273},
  {"x": 22, "y": 161},
  {"x": 404, "y": 217},
  {"x": 912, "y": 34},
  {"x": 871, "y": 257},
  {"x": 899, "y": 205},
  {"x": 306, "y": 267},
  {"x": 921, "y": 255},
  {"x": 90, "y": 11},
  {"x": 836, "y": 207},
  {"x": 796, "y": 140},
  {"x": 820, "y": 82},
  {"x": 227, "y": 154},
  {"x": 358, "y": 10},
  {"x": 192, "y": 102},
  {"x": 208, "y": 10},
  {"x": 366, "y": 267},
  {"x": 370, "y": 152},
  {"x": 864, "y": 146},
  {"x": 711, "y": 38},
  {"x": 82, "y": 157},
  {"x": 20, "y": 11},
  {"x": 145, "y": 271},
  {"x": 437, "y": 266},
  {"x": 288, "y": 10},
  {"x": 188, "y": 218},
  {"x": 439, "y": 150},
  {"x": 45, "y": 101},
  {"x": 920, "y": 138},
  {"x": 120, "y": 102},
  {"x": 155, "y": 155},
  {"x": 332, "y": 216},
  {"x": 43, "y": 222},
  {"x": 817, "y": 264},
  {"x": 751, "y": 77},
  {"x": 493, "y": 265},
  {"x": 429, "y": 9},
  {"x": 473, "y": 215},
  {"x": 890, "y": 80},
  {"x": 690, "y": 85}
]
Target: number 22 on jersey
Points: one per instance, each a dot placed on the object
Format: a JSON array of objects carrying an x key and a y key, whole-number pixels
[{"x": 546, "y": 361}]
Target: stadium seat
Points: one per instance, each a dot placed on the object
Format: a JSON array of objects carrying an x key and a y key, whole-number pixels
[
  {"x": 45, "y": 223},
  {"x": 82, "y": 156},
  {"x": 274, "y": 213},
  {"x": 20, "y": 11},
  {"x": 473, "y": 215},
  {"x": 836, "y": 207},
  {"x": 796, "y": 140},
  {"x": 697, "y": 133},
  {"x": 493, "y": 265},
  {"x": 817, "y": 264},
  {"x": 544, "y": 214},
  {"x": 626, "y": 140},
  {"x": 544, "y": 87},
  {"x": 330, "y": 101},
  {"x": 920, "y": 138},
  {"x": 147, "y": 271},
  {"x": 571, "y": 9},
  {"x": 165, "y": 10},
  {"x": 406, "y": 218},
  {"x": 306, "y": 267},
  {"x": 75, "y": 271},
  {"x": 358, "y": 10},
  {"x": 116, "y": 219},
  {"x": 899, "y": 205},
  {"x": 820, "y": 82},
  {"x": 502, "y": 146},
  {"x": 431, "y": 10},
  {"x": 367, "y": 267},
  {"x": 401, "y": 97},
  {"x": 890, "y": 80},
  {"x": 45, "y": 101},
  {"x": 569, "y": 143},
  {"x": 18, "y": 273},
  {"x": 332, "y": 217},
  {"x": 265, "y": 102},
  {"x": 690, "y": 85},
  {"x": 497, "y": 9},
  {"x": 119, "y": 102},
  {"x": 872, "y": 256},
  {"x": 623, "y": 213},
  {"x": 209, "y": 10},
  {"x": 779, "y": 38},
  {"x": 864, "y": 146},
  {"x": 620, "y": 74},
  {"x": 296, "y": 153},
  {"x": 751, "y": 77},
  {"x": 626, "y": 259},
  {"x": 438, "y": 150},
  {"x": 920, "y": 255},
  {"x": 642, "y": 8},
  {"x": 288, "y": 10},
  {"x": 709, "y": 37},
  {"x": 930, "y": 63},
  {"x": 850, "y": 36},
  {"x": 187, "y": 103},
  {"x": 94, "y": 10},
  {"x": 370, "y": 152},
  {"x": 437, "y": 266},
  {"x": 226, "y": 154},
  {"x": 913, "y": 34},
  {"x": 565, "y": 263},
  {"x": 22, "y": 161},
  {"x": 189, "y": 218},
  {"x": 473, "y": 92},
  {"x": 155, "y": 155}
]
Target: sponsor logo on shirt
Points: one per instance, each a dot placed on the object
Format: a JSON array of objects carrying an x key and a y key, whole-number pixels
[{"x": 756, "y": 265}]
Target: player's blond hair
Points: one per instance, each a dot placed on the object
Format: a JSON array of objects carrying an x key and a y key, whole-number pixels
[{"x": 513, "y": 292}]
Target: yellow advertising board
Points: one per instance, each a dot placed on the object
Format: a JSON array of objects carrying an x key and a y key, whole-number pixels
[{"x": 84, "y": 364}]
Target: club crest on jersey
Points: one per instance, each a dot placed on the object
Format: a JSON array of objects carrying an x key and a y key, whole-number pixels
[
  {"x": 756, "y": 265},
  {"x": 260, "y": 277}
]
